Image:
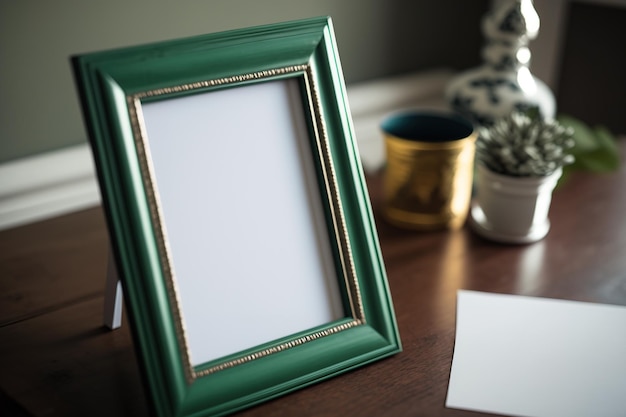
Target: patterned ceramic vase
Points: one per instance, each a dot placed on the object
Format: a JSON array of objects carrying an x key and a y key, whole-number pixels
[{"x": 504, "y": 82}]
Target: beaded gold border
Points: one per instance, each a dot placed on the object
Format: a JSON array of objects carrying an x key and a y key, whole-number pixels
[{"x": 134, "y": 102}]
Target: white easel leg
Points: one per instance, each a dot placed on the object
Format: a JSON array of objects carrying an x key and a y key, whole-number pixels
[{"x": 112, "y": 296}]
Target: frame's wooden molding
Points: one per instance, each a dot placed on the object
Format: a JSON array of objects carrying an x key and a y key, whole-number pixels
[{"x": 137, "y": 103}]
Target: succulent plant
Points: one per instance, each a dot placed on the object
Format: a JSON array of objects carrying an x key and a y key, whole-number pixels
[{"x": 523, "y": 145}]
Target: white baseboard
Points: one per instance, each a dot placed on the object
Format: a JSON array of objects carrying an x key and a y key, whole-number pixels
[
  {"x": 64, "y": 181},
  {"x": 371, "y": 101},
  {"x": 47, "y": 185}
]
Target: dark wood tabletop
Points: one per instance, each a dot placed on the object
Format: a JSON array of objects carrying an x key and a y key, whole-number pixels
[{"x": 56, "y": 358}]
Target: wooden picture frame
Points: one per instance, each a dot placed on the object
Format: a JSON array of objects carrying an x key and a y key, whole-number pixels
[{"x": 238, "y": 214}]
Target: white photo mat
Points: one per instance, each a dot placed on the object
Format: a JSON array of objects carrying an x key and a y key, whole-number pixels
[{"x": 244, "y": 220}]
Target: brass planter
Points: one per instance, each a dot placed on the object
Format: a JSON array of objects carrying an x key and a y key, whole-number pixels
[{"x": 428, "y": 180}]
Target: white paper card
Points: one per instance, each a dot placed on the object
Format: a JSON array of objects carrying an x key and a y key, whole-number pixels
[{"x": 537, "y": 357}]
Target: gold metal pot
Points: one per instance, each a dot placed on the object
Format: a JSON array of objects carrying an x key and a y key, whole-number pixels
[{"x": 428, "y": 179}]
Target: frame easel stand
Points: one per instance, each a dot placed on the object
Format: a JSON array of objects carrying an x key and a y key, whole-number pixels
[{"x": 112, "y": 314}]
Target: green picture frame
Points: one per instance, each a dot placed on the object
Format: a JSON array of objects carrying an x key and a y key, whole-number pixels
[{"x": 233, "y": 192}]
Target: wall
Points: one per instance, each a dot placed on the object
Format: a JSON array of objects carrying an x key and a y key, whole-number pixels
[
  {"x": 577, "y": 53},
  {"x": 592, "y": 85},
  {"x": 38, "y": 106}
]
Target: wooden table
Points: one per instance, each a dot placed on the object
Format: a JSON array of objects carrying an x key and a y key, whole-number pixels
[{"x": 56, "y": 359}]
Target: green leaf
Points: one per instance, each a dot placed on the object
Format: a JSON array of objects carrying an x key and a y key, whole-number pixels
[
  {"x": 583, "y": 135},
  {"x": 608, "y": 143},
  {"x": 595, "y": 149}
]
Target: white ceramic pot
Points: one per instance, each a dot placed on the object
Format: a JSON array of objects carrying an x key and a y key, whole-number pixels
[{"x": 512, "y": 209}]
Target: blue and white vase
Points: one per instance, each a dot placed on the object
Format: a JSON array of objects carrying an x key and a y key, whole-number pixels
[{"x": 504, "y": 82}]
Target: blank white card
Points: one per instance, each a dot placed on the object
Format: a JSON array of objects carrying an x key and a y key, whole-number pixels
[{"x": 538, "y": 357}]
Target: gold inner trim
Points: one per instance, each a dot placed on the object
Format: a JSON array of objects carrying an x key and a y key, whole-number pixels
[
  {"x": 278, "y": 348},
  {"x": 330, "y": 179},
  {"x": 156, "y": 214},
  {"x": 321, "y": 139},
  {"x": 222, "y": 81}
]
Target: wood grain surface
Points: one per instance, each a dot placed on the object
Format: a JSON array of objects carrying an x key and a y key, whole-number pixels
[{"x": 56, "y": 359}]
